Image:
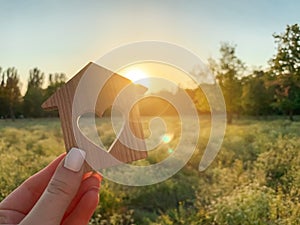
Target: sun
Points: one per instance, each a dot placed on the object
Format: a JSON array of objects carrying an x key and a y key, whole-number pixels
[{"x": 137, "y": 76}]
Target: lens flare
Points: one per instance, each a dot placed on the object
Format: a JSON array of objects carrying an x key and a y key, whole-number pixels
[
  {"x": 170, "y": 150},
  {"x": 167, "y": 138}
]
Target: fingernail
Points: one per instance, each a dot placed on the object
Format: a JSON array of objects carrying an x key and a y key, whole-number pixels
[
  {"x": 97, "y": 175},
  {"x": 74, "y": 159}
]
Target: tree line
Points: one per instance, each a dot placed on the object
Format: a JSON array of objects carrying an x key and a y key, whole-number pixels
[
  {"x": 14, "y": 105},
  {"x": 271, "y": 91}
]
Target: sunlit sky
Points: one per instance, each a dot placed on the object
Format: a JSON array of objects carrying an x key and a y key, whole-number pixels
[{"x": 63, "y": 36}]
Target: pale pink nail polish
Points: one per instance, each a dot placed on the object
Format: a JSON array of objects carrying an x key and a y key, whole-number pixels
[{"x": 74, "y": 159}]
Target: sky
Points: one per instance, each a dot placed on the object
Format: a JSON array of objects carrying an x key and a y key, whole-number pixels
[{"x": 63, "y": 36}]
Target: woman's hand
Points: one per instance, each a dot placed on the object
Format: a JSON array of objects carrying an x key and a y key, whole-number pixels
[{"x": 58, "y": 194}]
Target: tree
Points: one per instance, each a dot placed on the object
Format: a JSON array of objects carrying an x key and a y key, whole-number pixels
[
  {"x": 256, "y": 98},
  {"x": 55, "y": 82},
  {"x": 228, "y": 71},
  {"x": 36, "y": 78},
  {"x": 200, "y": 100},
  {"x": 285, "y": 65},
  {"x": 12, "y": 90},
  {"x": 34, "y": 96},
  {"x": 57, "y": 78},
  {"x": 10, "y": 94},
  {"x": 3, "y": 100}
]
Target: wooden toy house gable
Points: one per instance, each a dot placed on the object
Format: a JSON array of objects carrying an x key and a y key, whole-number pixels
[{"x": 62, "y": 100}]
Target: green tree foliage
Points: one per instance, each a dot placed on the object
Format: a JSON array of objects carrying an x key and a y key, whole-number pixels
[
  {"x": 34, "y": 96},
  {"x": 256, "y": 97},
  {"x": 55, "y": 81},
  {"x": 36, "y": 79},
  {"x": 10, "y": 95},
  {"x": 228, "y": 71},
  {"x": 13, "y": 104},
  {"x": 200, "y": 100},
  {"x": 285, "y": 65},
  {"x": 3, "y": 100},
  {"x": 273, "y": 91}
]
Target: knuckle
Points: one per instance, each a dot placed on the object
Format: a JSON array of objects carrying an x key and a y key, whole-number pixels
[
  {"x": 59, "y": 187},
  {"x": 3, "y": 218}
]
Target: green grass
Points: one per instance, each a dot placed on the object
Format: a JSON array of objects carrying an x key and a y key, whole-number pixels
[{"x": 255, "y": 179}]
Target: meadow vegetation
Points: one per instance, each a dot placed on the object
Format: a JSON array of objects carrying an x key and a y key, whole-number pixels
[{"x": 255, "y": 179}]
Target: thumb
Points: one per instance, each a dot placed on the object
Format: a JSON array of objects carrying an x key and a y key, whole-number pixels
[{"x": 60, "y": 191}]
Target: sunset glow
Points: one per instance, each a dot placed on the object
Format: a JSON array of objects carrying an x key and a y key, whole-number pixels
[{"x": 135, "y": 74}]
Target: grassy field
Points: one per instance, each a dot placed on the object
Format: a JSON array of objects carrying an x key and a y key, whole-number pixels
[{"x": 255, "y": 178}]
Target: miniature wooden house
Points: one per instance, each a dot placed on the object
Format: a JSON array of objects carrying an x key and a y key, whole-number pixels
[{"x": 89, "y": 101}]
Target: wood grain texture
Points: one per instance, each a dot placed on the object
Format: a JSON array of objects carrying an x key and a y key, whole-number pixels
[{"x": 64, "y": 100}]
